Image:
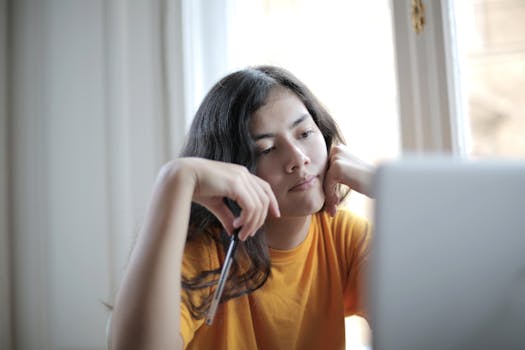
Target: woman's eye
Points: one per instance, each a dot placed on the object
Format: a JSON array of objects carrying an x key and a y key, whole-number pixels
[
  {"x": 267, "y": 150},
  {"x": 306, "y": 133}
]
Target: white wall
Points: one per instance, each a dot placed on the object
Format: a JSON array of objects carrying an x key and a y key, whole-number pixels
[{"x": 90, "y": 122}]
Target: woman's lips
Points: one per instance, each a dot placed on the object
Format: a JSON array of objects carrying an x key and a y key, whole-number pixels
[{"x": 304, "y": 184}]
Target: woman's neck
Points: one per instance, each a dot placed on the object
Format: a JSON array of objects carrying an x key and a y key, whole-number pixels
[{"x": 286, "y": 233}]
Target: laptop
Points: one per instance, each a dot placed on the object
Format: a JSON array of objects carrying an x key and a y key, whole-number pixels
[{"x": 447, "y": 266}]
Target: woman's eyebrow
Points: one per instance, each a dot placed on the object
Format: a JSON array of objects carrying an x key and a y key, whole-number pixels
[{"x": 296, "y": 122}]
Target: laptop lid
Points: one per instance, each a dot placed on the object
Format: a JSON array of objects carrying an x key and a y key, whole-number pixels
[{"x": 448, "y": 256}]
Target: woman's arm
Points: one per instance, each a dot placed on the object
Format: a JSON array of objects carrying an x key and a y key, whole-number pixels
[{"x": 147, "y": 308}]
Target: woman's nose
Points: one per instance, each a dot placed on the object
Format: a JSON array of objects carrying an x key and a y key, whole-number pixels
[{"x": 297, "y": 158}]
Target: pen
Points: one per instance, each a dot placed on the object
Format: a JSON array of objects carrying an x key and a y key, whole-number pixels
[{"x": 227, "y": 264}]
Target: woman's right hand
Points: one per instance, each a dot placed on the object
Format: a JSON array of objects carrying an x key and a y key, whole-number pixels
[
  {"x": 214, "y": 180},
  {"x": 149, "y": 297}
]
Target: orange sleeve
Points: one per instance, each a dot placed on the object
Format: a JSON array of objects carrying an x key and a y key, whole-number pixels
[
  {"x": 355, "y": 236},
  {"x": 197, "y": 258},
  {"x": 188, "y": 325}
]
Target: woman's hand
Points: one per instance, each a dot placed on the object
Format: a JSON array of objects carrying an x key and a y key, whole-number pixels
[
  {"x": 214, "y": 180},
  {"x": 345, "y": 168}
]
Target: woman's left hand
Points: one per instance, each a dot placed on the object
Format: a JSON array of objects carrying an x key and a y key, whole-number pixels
[{"x": 347, "y": 169}]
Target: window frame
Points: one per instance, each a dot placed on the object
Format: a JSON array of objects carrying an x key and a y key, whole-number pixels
[{"x": 431, "y": 109}]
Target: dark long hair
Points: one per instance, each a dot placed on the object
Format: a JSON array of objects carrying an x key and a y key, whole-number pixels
[{"x": 220, "y": 131}]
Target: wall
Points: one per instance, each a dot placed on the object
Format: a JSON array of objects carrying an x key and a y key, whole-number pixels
[{"x": 96, "y": 106}]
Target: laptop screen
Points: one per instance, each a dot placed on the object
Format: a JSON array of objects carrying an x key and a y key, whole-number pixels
[{"x": 448, "y": 255}]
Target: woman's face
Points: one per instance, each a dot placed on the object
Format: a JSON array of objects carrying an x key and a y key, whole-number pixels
[{"x": 292, "y": 153}]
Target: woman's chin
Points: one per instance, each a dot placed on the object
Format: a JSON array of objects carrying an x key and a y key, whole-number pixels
[{"x": 304, "y": 207}]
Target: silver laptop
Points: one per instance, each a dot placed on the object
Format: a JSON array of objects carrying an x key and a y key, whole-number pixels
[{"x": 448, "y": 255}]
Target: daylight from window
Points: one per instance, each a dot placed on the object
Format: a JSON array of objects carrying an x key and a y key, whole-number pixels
[
  {"x": 491, "y": 42},
  {"x": 342, "y": 50}
]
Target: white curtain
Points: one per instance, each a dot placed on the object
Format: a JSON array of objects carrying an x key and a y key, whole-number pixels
[
  {"x": 5, "y": 305},
  {"x": 98, "y": 95}
]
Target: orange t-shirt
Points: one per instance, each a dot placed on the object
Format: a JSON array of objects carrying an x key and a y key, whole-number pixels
[{"x": 303, "y": 303}]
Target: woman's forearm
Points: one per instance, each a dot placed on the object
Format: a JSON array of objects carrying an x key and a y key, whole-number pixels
[{"x": 147, "y": 308}]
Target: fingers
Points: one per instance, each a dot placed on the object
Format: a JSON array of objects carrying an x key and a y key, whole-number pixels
[
  {"x": 345, "y": 168},
  {"x": 251, "y": 208},
  {"x": 274, "y": 205},
  {"x": 330, "y": 183},
  {"x": 256, "y": 200},
  {"x": 215, "y": 180},
  {"x": 331, "y": 196},
  {"x": 225, "y": 216}
]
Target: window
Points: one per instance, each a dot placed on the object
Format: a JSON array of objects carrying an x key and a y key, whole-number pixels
[{"x": 492, "y": 66}]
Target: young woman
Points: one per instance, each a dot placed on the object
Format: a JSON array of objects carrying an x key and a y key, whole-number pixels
[{"x": 263, "y": 140}]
